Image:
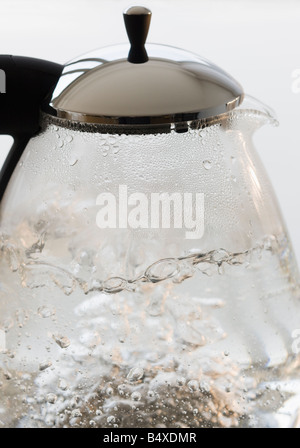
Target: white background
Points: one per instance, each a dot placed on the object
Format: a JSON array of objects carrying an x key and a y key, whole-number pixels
[{"x": 258, "y": 42}]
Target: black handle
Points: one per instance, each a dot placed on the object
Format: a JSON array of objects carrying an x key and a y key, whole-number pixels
[
  {"x": 24, "y": 84},
  {"x": 137, "y": 22}
]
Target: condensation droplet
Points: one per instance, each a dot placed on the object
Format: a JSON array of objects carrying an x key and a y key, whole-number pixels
[
  {"x": 73, "y": 162},
  {"x": 207, "y": 164}
]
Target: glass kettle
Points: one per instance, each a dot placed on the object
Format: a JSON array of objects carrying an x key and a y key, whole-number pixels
[{"x": 147, "y": 278}]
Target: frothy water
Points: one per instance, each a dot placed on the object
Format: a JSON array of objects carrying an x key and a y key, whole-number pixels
[{"x": 201, "y": 340}]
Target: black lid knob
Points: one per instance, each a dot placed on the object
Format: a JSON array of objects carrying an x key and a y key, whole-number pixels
[{"x": 137, "y": 22}]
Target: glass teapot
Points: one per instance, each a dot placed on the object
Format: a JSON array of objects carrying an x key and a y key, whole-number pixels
[{"x": 147, "y": 278}]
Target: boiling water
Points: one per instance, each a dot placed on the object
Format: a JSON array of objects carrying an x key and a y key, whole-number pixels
[{"x": 201, "y": 340}]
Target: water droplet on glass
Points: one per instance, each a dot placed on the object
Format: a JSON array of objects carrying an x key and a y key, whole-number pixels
[
  {"x": 69, "y": 138},
  {"x": 207, "y": 164},
  {"x": 73, "y": 161}
]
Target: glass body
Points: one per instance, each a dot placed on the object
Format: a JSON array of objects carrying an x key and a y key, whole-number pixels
[{"x": 146, "y": 323}]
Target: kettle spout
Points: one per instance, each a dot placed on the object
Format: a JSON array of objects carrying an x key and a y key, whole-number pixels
[{"x": 260, "y": 113}]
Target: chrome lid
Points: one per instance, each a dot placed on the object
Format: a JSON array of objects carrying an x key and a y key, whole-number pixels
[{"x": 142, "y": 84}]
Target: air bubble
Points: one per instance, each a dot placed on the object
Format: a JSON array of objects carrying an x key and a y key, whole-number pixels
[
  {"x": 45, "y": 311},
  {"x": 111, "y": 419},
  {"x": 76, "y": 413},
  {"x": 193, "y": 385},
  {"x": 63, "y": 385},
  {"x": 136, "y": 396},
  {"x": 51, "y": 398},
  {"x": 181, "y": 381},
  {"x": 162, "y": 270},
  {"x": 135, "y": 374}
]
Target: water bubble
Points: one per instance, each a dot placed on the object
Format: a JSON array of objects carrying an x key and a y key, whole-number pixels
[
  {"x": 76, "y": 413},
  {"x": 207, "y": 164},
  {"x": 69, "y": 138},
  {"x": 135, "y": 374},
  {"x": 151, "y": 394},
  {"x": 63, "y": 385},
  {"x": 60, "y": 143},
  {"x": 162, "y": 270},
  {"x": 193, "y": 385},
  {"x": 111, "y": 419},
  {"x": 7, "y": 375},
  {"x": 136, "y": 396},
  {"x": 181, "y": 381},
  {"x": 45, "y": 311},
  {"x": 51, "y": 398},
  {"x": 62, "y": 341},
  {"x": 45, "y": 365},
  {"x": 92, "y": 423},
  {"x": 220, "y": 255},
  {"x": 114, "y": 285},
  {"x": 109, "y": 391}
]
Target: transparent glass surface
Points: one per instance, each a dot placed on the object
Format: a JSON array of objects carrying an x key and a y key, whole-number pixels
[{"x": 144, "y": 327}]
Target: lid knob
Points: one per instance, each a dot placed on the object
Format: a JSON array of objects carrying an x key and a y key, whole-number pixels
[{"x": 137, "y": 21}]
